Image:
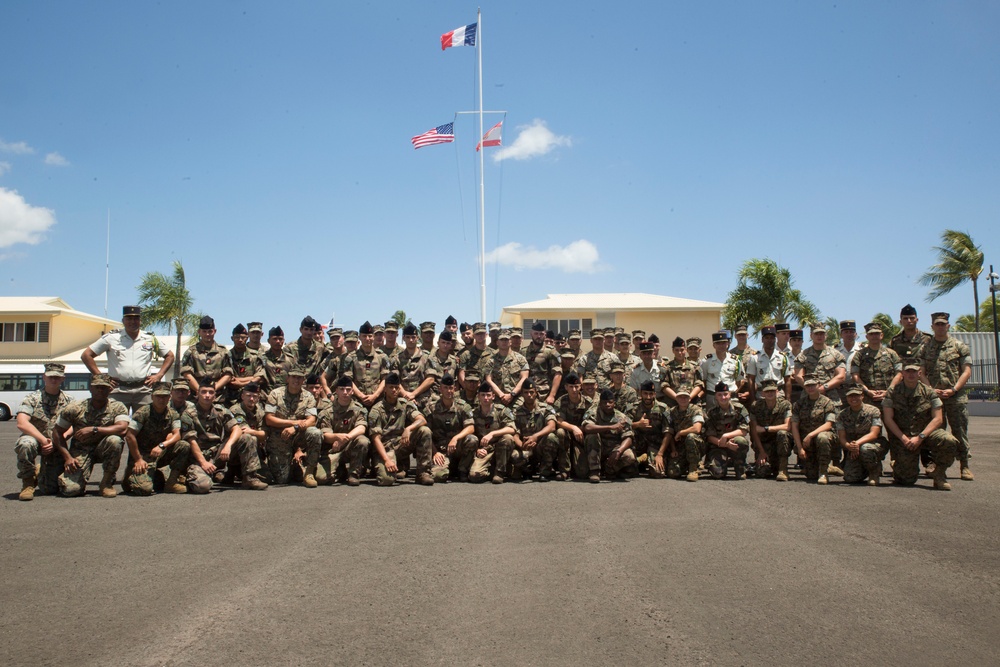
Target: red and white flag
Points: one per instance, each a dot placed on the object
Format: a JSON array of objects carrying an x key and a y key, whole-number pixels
[
  {"x": 492, "y": 138},
  {"x": 464, "y": 36}
]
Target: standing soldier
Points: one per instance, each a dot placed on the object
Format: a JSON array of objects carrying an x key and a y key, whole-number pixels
[
  {"x": 849, "y": 345},
  {"x": 947, "y": 367},
  {"x": 623, "y": 347},
  {"x": 722, "y": 366},
  {"x": 859, "y": 428},
  {"x": 417, "y": 373},
  {"x": 274, "y": 361},
  {"x": 452, "y": 433},
  {"x": 535, "y": 441},
  {"x": 574, "y": 341},
  {"x": 465, "y": 336},
  {"x": 910, "y": 338},
  {"x": 445, "y": 362},
  {"x": 98, "y": 425},
  {"x": 246, "y": 366},
  {"x": 544, "y": 365},
  {"x": 741, "y": 348},
  {"x": 727, "y": 424},
  {"x": 367, "y": 367},
  {"x": 206, "y": 359},
  {"x": 35, "y": 420},
  {"x": 680, "y": 372},
  {"x": 507, "y": 371},
  {"x": 795, "y": 339},
  {"x": 684, "y": 443},
  {"x": 476, "y": 356},
  {"x": 813, "y": 417},
  {"x": 874, "y": 366},
  {"x": 398, "y": 429},
  {"x": 494, "y": 428},
  {"x": 783, "y": 332},
  {"x": 830, "y": 369},
  {"x": 608, "y": 439},
  {"x": 650, "y": 424},
  {"x": 255, "y": 333},
  {"x": 694, "y": 349},
  {"x": 306, "y": 352},
  {"x": 154, "y": 442},
  {"x": 494, "y": 330},
  {"x": 770, "y": 364},
  {"x": 131, "y": 353},
  {"x": 770, "y": 419},
  {"x": 595, "y": 362},
  {"x": 912, "y": 413},
  {"x": 648, "y": 369},
  {"x": 427, "y": 330},
  {"x": 626, "y": 398},
  {"x": 344, "y": 424},
  {"x": 292, "y": 437},
  {"x": 517, "y": 338}
]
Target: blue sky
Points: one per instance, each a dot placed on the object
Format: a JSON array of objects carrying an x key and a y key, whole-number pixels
[{"x": 267, "y": 147}]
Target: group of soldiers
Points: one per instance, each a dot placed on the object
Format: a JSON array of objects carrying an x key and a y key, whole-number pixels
[{"x": 475, "y": 403}]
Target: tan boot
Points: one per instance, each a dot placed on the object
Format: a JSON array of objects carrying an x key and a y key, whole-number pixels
[
  {"x": 929, "y": 470},
  {"x": 425, "y": 479},
  {"x": 107, "y": 485},
  {"x": 27, "y": 488},
  {"x": 309, "y": 479},
  {"x": 822, "y": 480},
  {"x": 966, "y": 473},
  {"x": 692, "y": 476},
  {"x": 173, "y": 484},
  {"x": 254, "y": 484},
  {"x": 834, "y": 471},
  {"x": 782, "y": 470},
  {"x": 941, "y": 480}
]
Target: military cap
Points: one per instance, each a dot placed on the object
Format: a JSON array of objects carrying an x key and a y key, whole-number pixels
[
  {"x": 479, "y": 327},
  {"x": 335, "y": 331},
  {"x": 206, "y": 323},
  {"x": 392, "y": 379},
  {"x": 350, "y": 334},
  {"x": 312, "y": 379},
  {"x": 54, "y": 370},
  {"x": 796, "y": 334},
  {"x": 516, "y": 331},
  {"x": 589, "y": 378},
  {"x": 816, "y": 327},
  {"x": 677, "y": 342},
  {"x": 206, "y": 381},
  {"x": 366, "y": 328},
  {"x": 720, "y": 336},
  {"x": 296, "y": 371},
  {"x": 448, "y": 321},
  {"x": 391, "y": 325},
  {"x": 683, "y": 390},
  {"x": 504, "y": 333},
  {"x": 446, "y": 336},
  {"x": 574, "y": 334},
  {"x": 694, "y": 341},
  {"x": 854, "y": 389},
  {"x": 619, "y": 330},
  {"x": 161, "y": 389},
  {"x": 653, "y": 338},
  {"x": 873, "y": 327},
  {"x": 911, "y": 364},
  {"x": 409, "y": 330},
  {"x": 538, "y": 326},
  {"x": 528, "y": 384},
  {"x": 131, "y": 310},
  {"x": 485, "y": 388},
  {"x": 768, "y": 331},
  {"x": 180, "y": 383},
  {"x": 812, "y": 378},
  {"x": 275, "y": 331},
  {"x": 596, "y": 333},
  {"x": 907, "y": 310},
  {"x": 638, "y": 333},
  {"x": 239, "y": 329},
  {"x": 550, "y": 334},
  {"x": 769, "y": 385},
  {"x": 251, "y": 387},
  {"x": 309, "y": 323},
  {"x": 740, "y": 329},
  {"x": 609, "y": 331},
  {"x": 567, "y": 354},
  {"x": 648, "y": 385},
  {"x": 782, "y": 326},
  {"x": 464, "y": 326},
  {"x": 572, "y": 378},
  {"x": 848, "y": 325},
  {"x": 448, "y": 380},
  {"x": 607, "y": 395},
  {"x": 344, "y": 381},
  {"x": 648, "y": 346},
  {"x": 378, "y": 328},
  {"x": 495, "y": 326},
  {"x": 617, "y": 366},
  {"x": 255, "y": 326},
  {"x": 722, "y": 386},
  {"x": 940, "y": 317},
  {"x": 622, "y": 338},
  {"x": 100, "y": 380},
  {"x": 472, "y": 375}
]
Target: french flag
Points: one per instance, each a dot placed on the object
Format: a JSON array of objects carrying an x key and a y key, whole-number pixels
[{"x": 464, "y": 36}]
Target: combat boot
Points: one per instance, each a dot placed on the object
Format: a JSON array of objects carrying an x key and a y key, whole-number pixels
[
  {"x": 873, "y": 478},
  {"x": 309, "y": 479},
  {"x": 497, "y": 479},
  {"x": 425, "y": 479},
  {"x": 782, "y": 470},
  {"x": 929, "y": 470},
  {"x": 740, "y": 472},
  {"x": 822, "y": 480},
  {"x": 252, "y": 483},
  {"x": 692, "y": 476},
  {"x": 352, "y": 480},
  {"x": 941, "y": 480},
  {"x": 173, "y": 483},
  {"x": 27, "y": 488},
  {"x": 966, "y": 473},
  {"x": 107, "y": 485},
  {"x": 835, "y": 471}
]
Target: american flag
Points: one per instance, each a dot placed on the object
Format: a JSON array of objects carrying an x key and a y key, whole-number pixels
[{"x": 442, "y": 134}]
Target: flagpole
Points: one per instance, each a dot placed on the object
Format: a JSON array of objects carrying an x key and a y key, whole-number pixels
[{"x": 482, "y": 185}]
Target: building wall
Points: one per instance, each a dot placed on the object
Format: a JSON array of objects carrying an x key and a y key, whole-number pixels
[
  {"x": 665, "y": 324},
  {"x": 66, "y": 333}
]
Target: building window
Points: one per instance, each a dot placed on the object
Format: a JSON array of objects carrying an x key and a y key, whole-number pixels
[
  {"x": 23, "y": 332},
  {"x": 561, "y": 326}
]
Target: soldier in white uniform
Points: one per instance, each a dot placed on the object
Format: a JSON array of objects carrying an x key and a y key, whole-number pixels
[
  {"x": 722, "y": 366},
  {"x": 848, "y": 337},
  {"x": 131, "y": 353}
]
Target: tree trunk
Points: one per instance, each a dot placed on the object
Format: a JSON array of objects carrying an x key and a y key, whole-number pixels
[
  {"x": 975, "y": 296},
  {"x": 177, "y": 352}
]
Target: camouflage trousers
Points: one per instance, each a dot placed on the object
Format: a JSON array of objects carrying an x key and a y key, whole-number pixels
[
  {"x": 47, "y": 480},
  {"x": 956, "y": 417},
  {"x": 176, "y": 457},
  {"x": 419, "y": 446},
  {"x": 686, "y": 455},
  {"x": 498, "y": 456},
  {"x": 571, "y": 457},
  {"x": 720, "y": 458},
  {"x": 280, "y": 453},
  {"x": 599, "y": 449},
  {"x": 650, "y": 448},
  {"x": 818, "y": 454},
  {"x": 107, "y": 451},
  {"x": 456, "y": 464},
  {"x": 906, "y": 464},
  {"x": 350, "y": 460},
  {"x": 244, "y": 450},
  {"x": 542, "y": 456},
  {"x": 777, "y": 446},
  {"x": 868, "y": 463}
]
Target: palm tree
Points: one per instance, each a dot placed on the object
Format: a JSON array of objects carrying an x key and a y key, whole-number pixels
[
  {"x": 832, "y": 331},
  {"x": 959, "y": 260},
  {"x": 889, "y": 327},
  {"x": 399, "y": 317},
  {"x": 166, "y": 302},
  {"x": 970, "y": 323},
  {"x": 765, "y": 294}
]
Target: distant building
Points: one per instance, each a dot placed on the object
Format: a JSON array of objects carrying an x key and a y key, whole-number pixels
[{"x": 666, "y": 316}]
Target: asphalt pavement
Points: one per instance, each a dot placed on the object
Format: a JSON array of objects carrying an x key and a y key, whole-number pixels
[{"x": 635, "y": 572}]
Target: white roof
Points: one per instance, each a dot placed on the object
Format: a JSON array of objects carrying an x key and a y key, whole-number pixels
[
  {"x": 615, "y": 301},
  {"x": 49, "y": 305}
]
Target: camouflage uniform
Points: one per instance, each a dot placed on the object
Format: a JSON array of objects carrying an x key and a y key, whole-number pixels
[
  {"x": 912, "y": 412},
  {"x": 499, "y": 448},
  {"x": 152, "y": 428},
  {"x": 388, "y": 422},
  {"x": 472, "y": 359},
  {"x": 648, "y": 440},
  {"x": 413, "y": 370},
  {"x": 280, "y": 452},
  {"x": 528, "y": 422},
  {"x": 366, "y": 370},
  {"x": 810, "y": 415},
  {"x": 719, "y": 422},
  {"x": 907, "y": 348},
  {"x": 276, "y": 367},
  {"x": 255, "y": 420},
  {"x": 43, "y": 410},
  {"x": 505, "y": 371},
  {"x": 211, "y": 362},
  {"x": 777, "y": 445},
  {"x": 445, "y": 423},
  {"x": 823, "y": 364},
  {"x": 107, "y": 451},
  {"x": 442, "y": 367},
  {"x": 600, "y": 445},
  {"x": 210, "y": 429},
  {"x": 307, "y": 357},
  {"x": 876, "y": 368},
  {"x": 943, "y": 363},
  {"x": 543, "y": 366},
  {"x": 596, "y": 364},
  {"x": 570, "y": 452},
  {"x": 856, "y": 425},
  {"x": 626, "y": 399},
  {"x": 336, "y": 418},
  {"x": 245, "y": 365}
]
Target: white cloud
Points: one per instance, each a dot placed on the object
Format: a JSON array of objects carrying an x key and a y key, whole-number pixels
[
  {"x": 577, "y": 257},
  {"x": 4, "y": 168},
  {"x": 20, "y": 222},
  {"x": 534, "y": 140},
  {"x": 56, "y": 160},
  {"x": 18, "y": 148}
]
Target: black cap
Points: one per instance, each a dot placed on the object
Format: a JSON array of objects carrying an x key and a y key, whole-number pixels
[
  {"x": 464, "y": 326},
  {"x": 131, "y": 310},
  {"x": 607, "y": 395},
  {"x": 653, "y": 338},
  {"x": 678, "y": 342},
  {"x": 528, "y": 384},
  {"x": 446, "y": 336},
  {"x": 796, "y": 334},
  {"x": 647, "y": 386},
  {"x": 252, "y": 387},
  {"x": 768, "y": 331},
  {"x": 275, "y": 331},
  {"x": 366, "y": 328},
  {"x": 647, "y": 346},
  {"x": 409, "y": 330},
  {"x": 392, "y": 379},
  {"x": 907, "y": 310},
  {"x": 450, "y": 320},
  {"x": 448, "y": 380},
  {"x": 206, "y": 382},
  {"x": 720, "y": 335},
  {"x": 538, "y": 326},
  {"x": 722, "y": 386},
  {"x": 344, "y": 381},
  {"x": 848, "y": 325},
  {"x": 239, "y": 329},
  {"x": 782, "y": 326},
  {"x": 309, "y": 323},
  {"x": 485, "y": 388},
  {"x": 312, "y": 379},
  {"x": 572, "y": 378},
  {"x": 206, "y": 323}
]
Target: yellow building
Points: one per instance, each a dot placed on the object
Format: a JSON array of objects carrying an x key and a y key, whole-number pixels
[{"x": 666, "y": 316}]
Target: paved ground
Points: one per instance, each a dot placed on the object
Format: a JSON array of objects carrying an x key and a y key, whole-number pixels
[{"x": 636, "y": 572}]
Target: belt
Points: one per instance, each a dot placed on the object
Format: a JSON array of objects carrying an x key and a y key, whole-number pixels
[{"x": 131, "y": 385}]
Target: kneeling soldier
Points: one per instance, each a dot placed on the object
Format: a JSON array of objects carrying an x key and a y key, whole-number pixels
[
  {"x": 728, "y": 423},
  {"x": 859, "y": 427},
  {"x": 813, "y": 417},
  {"x": 684, "y": 440},
  {"x": 398, "y": 430},
  {"x": 651, "y": 425},
  {"x": 608, "y": 438},
  {"x": 494, "y": 426},
  {"x": 154, "y": 442},
  {"x": 452, "y": 433},
  {"x": 535, "y": 441},
  {"x": 769, "y": 429},
  {"x": 292, "y": 436},
  {"x": 35, "y": 420},
  {"x": 345, "y": 445}
]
